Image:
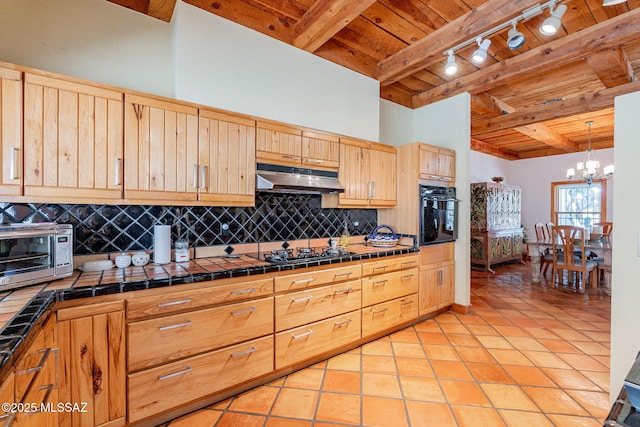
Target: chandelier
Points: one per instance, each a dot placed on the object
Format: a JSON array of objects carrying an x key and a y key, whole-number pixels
[{"x": 589, "y": 169}]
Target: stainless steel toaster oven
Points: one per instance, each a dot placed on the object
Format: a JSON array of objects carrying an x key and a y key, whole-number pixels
[{"x": 33, "y": 253}]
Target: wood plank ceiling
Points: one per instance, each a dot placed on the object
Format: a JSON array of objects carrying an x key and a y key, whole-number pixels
[{"x": 530, "y": 102}]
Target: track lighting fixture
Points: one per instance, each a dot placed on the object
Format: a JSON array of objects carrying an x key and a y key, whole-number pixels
[
  {"x": 516, "y": 39},
  {"x": 551, "y": 25},
  {"x": 481, "y": 53},
  {"x": 451, "y": 67},
  {"x": 612, "y": 2}
]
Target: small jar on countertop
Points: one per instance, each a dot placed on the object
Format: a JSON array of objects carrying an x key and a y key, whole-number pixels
[{"x": 181, "y": 247}]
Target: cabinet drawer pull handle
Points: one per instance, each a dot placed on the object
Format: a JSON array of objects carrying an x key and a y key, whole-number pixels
[
  {"x": 203, "y": 177},
  {"x": 174, "y": 374},
  {"x": 168, "y": 304},
  {"x": 195, "y": 175},
  {"x": 303, "y": 299},
  {"x": 288, "y": 156},
  {"x": 342, "y": 274},
  {"x": 380, "y": 267},
  {"x": 384, "y": 310},
  {"x": 317, "y": 161},
  {"x": 297, "y": 282},
  {"x": 244, "y": 353},
  {"x": 408, "y": 262},
  {"x": 117, "y": 171},
  {"x": 343, "y": 291},
  {"x": 244, "y": 291},
  {"x": 248, "y": 310},
  {"x": 177, "y": 325},
  {"x": 14, "y": 163},
  {"x": 303, "y": 335},
  {"x": 407, "y": 303},
  {"x": 408, "y": 276},
  {"x": 380, "y": 283},
  {"x": 344, "y": 322}
]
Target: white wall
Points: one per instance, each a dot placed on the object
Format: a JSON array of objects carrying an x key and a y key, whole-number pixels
[
  {"x": 224, "y": 65},
  {"x": 90, "y": 39},
  {"x": 625, "y": 316},
  {"x": 484, "y": 167},
  {"x": 447, "y": 124},
  {"x": 396, "y": 124}
]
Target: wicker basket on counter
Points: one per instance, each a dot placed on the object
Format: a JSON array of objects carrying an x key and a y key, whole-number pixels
[{"x": 383, "y": 240}]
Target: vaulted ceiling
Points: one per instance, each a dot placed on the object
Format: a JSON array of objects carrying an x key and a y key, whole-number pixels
[{"x": 530, "y": 102}]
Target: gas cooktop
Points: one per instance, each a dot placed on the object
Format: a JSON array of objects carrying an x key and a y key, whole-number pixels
[{"x": 301, "y": 255}]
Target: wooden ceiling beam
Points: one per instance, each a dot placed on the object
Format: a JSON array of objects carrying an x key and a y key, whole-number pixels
[
  {"x": 574, "y": 47},
  {"x": 324, "y": 19},
  {"x": 483, "y": 147},
  {"x": 161, "y": 9},
  {"x": 429, "y": 49},
  {"x": 584, "y": 103},
  {"x": 489, "y": 105},
  {"x": 611, "y": 66}
]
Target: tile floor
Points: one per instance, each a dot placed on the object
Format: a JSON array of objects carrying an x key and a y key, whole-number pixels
[{"x": 530, "y": 355}]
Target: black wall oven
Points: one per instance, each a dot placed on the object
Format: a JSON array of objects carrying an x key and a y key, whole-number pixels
[{"x": 438, "y": 214}]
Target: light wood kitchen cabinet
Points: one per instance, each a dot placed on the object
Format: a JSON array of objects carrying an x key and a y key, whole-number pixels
[
  {"x": 436, "y": 277},
  {"x": 36, "y": 374},
  {"x": 316, "y": 277},
  {"x": 387, "y": 286},
  {"x": 161, "y": 151},
  {"x": 92, "y": 356},
  {"x": 437, "y": 164},
  {"x": 387, "y": 315},
  {"x": 73, "y": 146},
  {"x": 7, "y": 395},
  {"x": 167, "y": 386},
  {"x": 320, "y": 150},
  {"x": 278, "y": 143},
  {"x": 168, "y": 338},
  {"x": 11, "y": 149},
  {"x": 368, "y": 173},
  {"x": 227, "y": 159}
]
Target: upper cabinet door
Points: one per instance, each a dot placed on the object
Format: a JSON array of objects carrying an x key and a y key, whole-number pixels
[
  {"x": 320, "y": 150},
  {"x": 11, "y": 132},
  {"x": 279, "y": 144},
  {"x": 383, "y": 175},
  {"x": 354, "y": 172},
  {"x": 437, "y": 164},
  {"x": 161, "y": 151},
  {"x": 227, "y": 156},
  {"x": 72, "y": 140}
]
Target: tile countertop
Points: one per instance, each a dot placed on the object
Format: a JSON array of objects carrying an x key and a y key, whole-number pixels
[{"x": 20, "y": 309}]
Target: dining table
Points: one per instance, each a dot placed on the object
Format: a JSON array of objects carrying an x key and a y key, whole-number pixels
[{"x": 600, "y": 248}]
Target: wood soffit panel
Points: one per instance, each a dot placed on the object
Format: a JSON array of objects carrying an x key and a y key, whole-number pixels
[{"x": 532, "y": 102}]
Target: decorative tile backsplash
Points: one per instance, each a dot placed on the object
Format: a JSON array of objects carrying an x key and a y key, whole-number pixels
[{"x": 114, "y": 228}]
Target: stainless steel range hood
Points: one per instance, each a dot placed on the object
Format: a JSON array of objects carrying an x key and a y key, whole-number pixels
[{"x": 286, "y": 179}]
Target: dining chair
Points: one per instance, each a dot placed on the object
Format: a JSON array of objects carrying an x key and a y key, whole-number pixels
[
  {"x": 573, "y": 258},
  {"x": 607, "y": 228},
  {"x": 604, "y": 271},
  {"x": 546, "y": 259}
]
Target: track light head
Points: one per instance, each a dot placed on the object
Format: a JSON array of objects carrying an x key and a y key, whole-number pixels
[
  {"x": 480, "y": 54},
  {"x": 515, "y": 39},
  {"x": 451, "y": 67},
  {"x": 551, "y": 25}
]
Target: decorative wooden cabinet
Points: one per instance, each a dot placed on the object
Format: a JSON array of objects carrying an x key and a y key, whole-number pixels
[
  {"x": 11, "y": 149},
  {"x": 437, "y": 164},
  {"x": 227, "y": 159},
  {"x": 277, "y": 143},
  {"x": 437, "y": 273},
  {"x": 496, "y": 233},
  {"x": 72, "y": 140},
  {"x": 161, "y": 151},
  {"x": 92, "y": 357},
  {"x": 320, "y": 150},
  {"x": 368, "y": 173}
]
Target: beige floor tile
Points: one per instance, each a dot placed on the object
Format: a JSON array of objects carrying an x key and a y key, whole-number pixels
[
  {"x": 342, "y": 382},
  {"x": 545, "y": 359},
  {"x": 583, "y": 362},
  {"x": 429, "y": 414},
  {"x": 451, "y": 369},
  {"x": 510, "y": 331},
  {"x": 424, "y": 389},
  {"x": 379, "y": 347},
  {"x": 554, "y": 401},
  {"x": 489, "y": 373},
  {"x": 494, "y": 342},
  {"x": 525, "y": 419},
  {"x": 283, "y": 422},
  {"x": 559, "y": 346},
  {"x": 378, "y": 364},
  {"x": 380, "y": 385},
  {"x": 475, "y": 354},
  {"x": 529, "y": 375},
  {"x": 339, "y": 408},
  {"x": 601, "y": 379},
  {"x": 429, "y": 325},
  {"x": 473, "y": 416},
  {"x": 414, "y": 367},
  {"x": 504, "y": 396},
  {"x": 201, "y": 418},
  {"x": 233, "y": 419},
  {"x": 570, "y": 379},
  {"x": 295, "y": 403},
  {"x": 440, "y": 352},
  {"x": 592, "y": 348},
  {"x": 405, "y": 335},
  {"x": 573, "y": 421},
  {"x": 595, "y": 402},
  {"x": 461, "y": 340},
  {"x": 306, "y": 378},
  {"x": 464, "y": 393},
  {"x": 257, "y": 401},
  {"x": 345, "y": 362},
  {"x": 526, "y": 343},
  {"x": 510, "y": 357},
  {"x": 401, "y": 349},
  {"x": 433, "y": 338},
  {"x": 383, "y": 412}
]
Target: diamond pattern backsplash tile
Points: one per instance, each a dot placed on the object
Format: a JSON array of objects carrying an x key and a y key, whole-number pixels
[{"x": 114, "y": 228}]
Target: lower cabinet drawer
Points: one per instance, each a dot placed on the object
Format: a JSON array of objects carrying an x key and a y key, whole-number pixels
[
  {"x": 385, "y": 287},
  {"x": 164, "y": 339},
  {"x": 296, "y": 345},
  {"x": 389, "y": 314},
  {"x": 298, "y": 308},
  {"x": 159, "y": 389}
]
